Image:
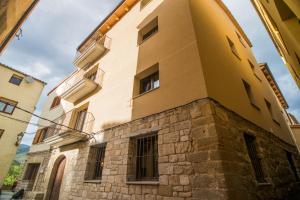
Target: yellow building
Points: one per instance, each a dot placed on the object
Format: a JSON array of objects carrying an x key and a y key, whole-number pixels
[
  {"x": 16, "y": 90},
  {"x": 167, "y": 102},
  {"x": 281, "y": 19},
  {"x": 13, "y": 14}
]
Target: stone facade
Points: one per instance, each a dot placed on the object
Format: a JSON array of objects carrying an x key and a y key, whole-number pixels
[{"x": 202, "y": 155}]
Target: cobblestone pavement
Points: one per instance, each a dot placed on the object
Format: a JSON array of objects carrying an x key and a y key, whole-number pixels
[{"x": 6, "y": 195}]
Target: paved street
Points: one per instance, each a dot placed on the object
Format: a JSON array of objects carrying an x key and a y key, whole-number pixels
[{"x": 6, "y": 195}]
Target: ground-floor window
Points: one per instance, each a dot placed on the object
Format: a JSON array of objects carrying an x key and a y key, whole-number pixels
[
  {"x": 31, "y": 171},
  {"x": 95, "y": 162}
]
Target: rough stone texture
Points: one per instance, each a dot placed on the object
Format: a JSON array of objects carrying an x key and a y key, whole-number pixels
[{"x": 202, "y": 155}]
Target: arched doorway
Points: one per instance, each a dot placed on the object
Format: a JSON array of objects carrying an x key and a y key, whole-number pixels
[{"x": 56, "y": 178}]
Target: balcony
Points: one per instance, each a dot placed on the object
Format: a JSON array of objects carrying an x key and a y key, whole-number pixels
[
  {"x": 71, "y": 127},
  {"x": 92, "y": 51},
  {"x": 82, "y": 84}
]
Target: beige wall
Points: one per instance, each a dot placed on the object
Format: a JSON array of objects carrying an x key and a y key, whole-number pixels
[
  {"x": 195, "y": 62},
  {"x": 11, "y": 12},
  {"x": 27, "y": 96},
  {"x": 287, "y": 37}
]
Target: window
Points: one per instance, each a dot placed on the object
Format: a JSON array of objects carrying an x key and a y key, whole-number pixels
[
  {"x": 292, "y": 164},
  {"x": 31, "y": 171},
  {"x": 148, "y": 31},
  {"x": 144, "y": 3},
  {"x": 284, "y": 11},
  {"x": 233, "y": 48},
  {"x": 298, "y": 58},
  {"x": 95, "y": 162},
  {"x": 80, "y": 119},
  {"x": 250, "y": 95},
  {"x": 270, "y": 109},
  {"x": 55, "y": 102},
  {"x": 145, "y": 157},
  {"x": 253, "y": 70},
  {"x": 149, "y": 83},
  {"x": 40, "y": 135},
  {"x": 16, "y": 80},
  {"x": 254, "y": 158},
  {"x": 1, "y": 132},
  {"x": 7, "y": 106},
  {"x": 241, "y": 39}
]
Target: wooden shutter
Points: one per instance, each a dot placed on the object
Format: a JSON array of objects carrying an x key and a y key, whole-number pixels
[{"x": 37, "y": 136}]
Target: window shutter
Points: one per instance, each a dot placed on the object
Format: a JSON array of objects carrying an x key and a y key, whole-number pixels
[{"x": 37, "y": 136}]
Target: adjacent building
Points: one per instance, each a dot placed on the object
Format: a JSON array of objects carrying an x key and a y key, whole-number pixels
[
  {"x": 17, "y": 90},
  {"x": 13, "y": 14},
  {"x": 281, "y": 19},
  {"x": 167, "y": 102}
]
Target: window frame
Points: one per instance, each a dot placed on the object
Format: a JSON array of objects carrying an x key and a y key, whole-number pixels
[
  {"x": 152, "y": 27},
  {"x": 31, "y": 174},
  {"x": 250, "y": 94},
  {"x": 150, "y": 79},
  {"x": 252, "y": 66},
  {"x": 7, "y": 103},
  {"x": 98, "y": 151},
  {"x": 19, "y": 78},
  {"x": 1, "y": 133},
  {"x": 55, "y": 102},
  {"x": 233, "y": 48},
  {"x": 271, "y": 111}
]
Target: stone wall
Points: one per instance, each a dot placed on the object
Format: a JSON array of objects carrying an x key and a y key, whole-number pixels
[{"x": 202, "y": 155}]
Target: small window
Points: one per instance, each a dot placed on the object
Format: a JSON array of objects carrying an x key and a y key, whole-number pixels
[
  {"x": 298, "y": 58},
  {"x": 145, "y": 158},
  {"x": 254, "y": 158},
  {"x": 16, "y": 80},
  {"x": 270, "y": 109},
  {"x": 292, "y": 165},
  {"x": 95, "y": 162},
  {"x": 1, "y": 132},
  {"x": 149, "y": 83},
  {"x": 250, "y": 95},
  {"x": 7, "y": 106},
  {"x": 40, "y": 136},
  {"x": 144, "y": 3},
  {"x": 253, "y": 70},
  {"x": 241, "y": 39},
  {"x": 148, "y": 31},
  {"x": 233, "y": 48},
  {"x": 31, "y": 171},
  {"x": 55, "y": 102}
]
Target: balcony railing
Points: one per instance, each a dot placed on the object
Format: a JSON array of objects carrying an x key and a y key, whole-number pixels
[
  {"x": 71, "y": 127},
  {"x": 92, "y": 51},
  {"x": 82, "y": 84}
]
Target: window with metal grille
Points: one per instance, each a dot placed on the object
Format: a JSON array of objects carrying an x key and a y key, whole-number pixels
[
  {"x": 1, "y": 132},
  {"x": 7, "y": 106},
  {"x": 16, "y": 80},
  {"x": 146, "y": 158},
  {"x": 149, "y": 83},
  {"x": 31, "y": 171},
  {"x": 255, "y": 159},
  {"x": 95, "y": 162},
  {"x": 292, "y": 165}
]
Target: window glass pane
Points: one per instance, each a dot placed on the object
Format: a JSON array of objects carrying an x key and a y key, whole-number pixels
[
  {"x": 9, "y": 108},
  {"x": 15, "y": 80},
  {"x": 156, "y": 84},
  {"x": 2, "y": 105}
]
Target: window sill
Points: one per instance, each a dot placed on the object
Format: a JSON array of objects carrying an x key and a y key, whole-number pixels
[
  {"x": 142, "y": 182},
  {"x": 255, "y": 106},
  {"x": 145, "y": 93},
  {"x": 92, "y": 181}
]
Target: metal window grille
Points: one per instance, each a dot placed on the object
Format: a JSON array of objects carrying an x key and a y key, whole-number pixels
[
  {"x": 255, "y": 159},
  {"x": 292, "y": 164},
  {"x": 31, "y": 171},
  {"x": 147, "y": 158},
  {"x": 96, "y": 162}
]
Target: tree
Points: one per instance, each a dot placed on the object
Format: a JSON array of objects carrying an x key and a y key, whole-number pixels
[{"x": 13, "y": 174}]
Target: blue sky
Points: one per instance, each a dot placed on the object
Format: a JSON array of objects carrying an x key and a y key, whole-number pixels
[{"x": 56, "y": 28}]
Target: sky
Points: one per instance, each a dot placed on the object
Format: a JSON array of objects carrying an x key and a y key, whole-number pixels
[{"x": 55, "y": 28}]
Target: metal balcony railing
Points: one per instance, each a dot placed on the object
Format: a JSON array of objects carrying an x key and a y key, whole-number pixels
[{"x": 69, "y": 122}]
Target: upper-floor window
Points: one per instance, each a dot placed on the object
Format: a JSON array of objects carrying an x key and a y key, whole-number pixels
[
  {"x": 241, "y": 39},
  {"x": 145, "y": 157},
  {"x": 253, "y": 70},
  {"x": 254, "y": 158},
  {"x": 148, "y": 31},
  {"x": 40, "y": 136},
  {"x": 15, "y": 79},
  {"x": 144, "y": 3},
  {"x": 270, "y": 109},
  {"x": 31, "y": 171},
  {"x": 284, "y": 10},
  {"x": 55, "y": 102},
  {"x": 149, "y": 83},
  {"x": 7, "y": 106},
  {"x": 298, "y": 58},
  {"x": 1, "y": 132},
  {"x": 95, "y": 162},
  {"x": 250, "y": 95},
  {"x": 233, "y": 48}
]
